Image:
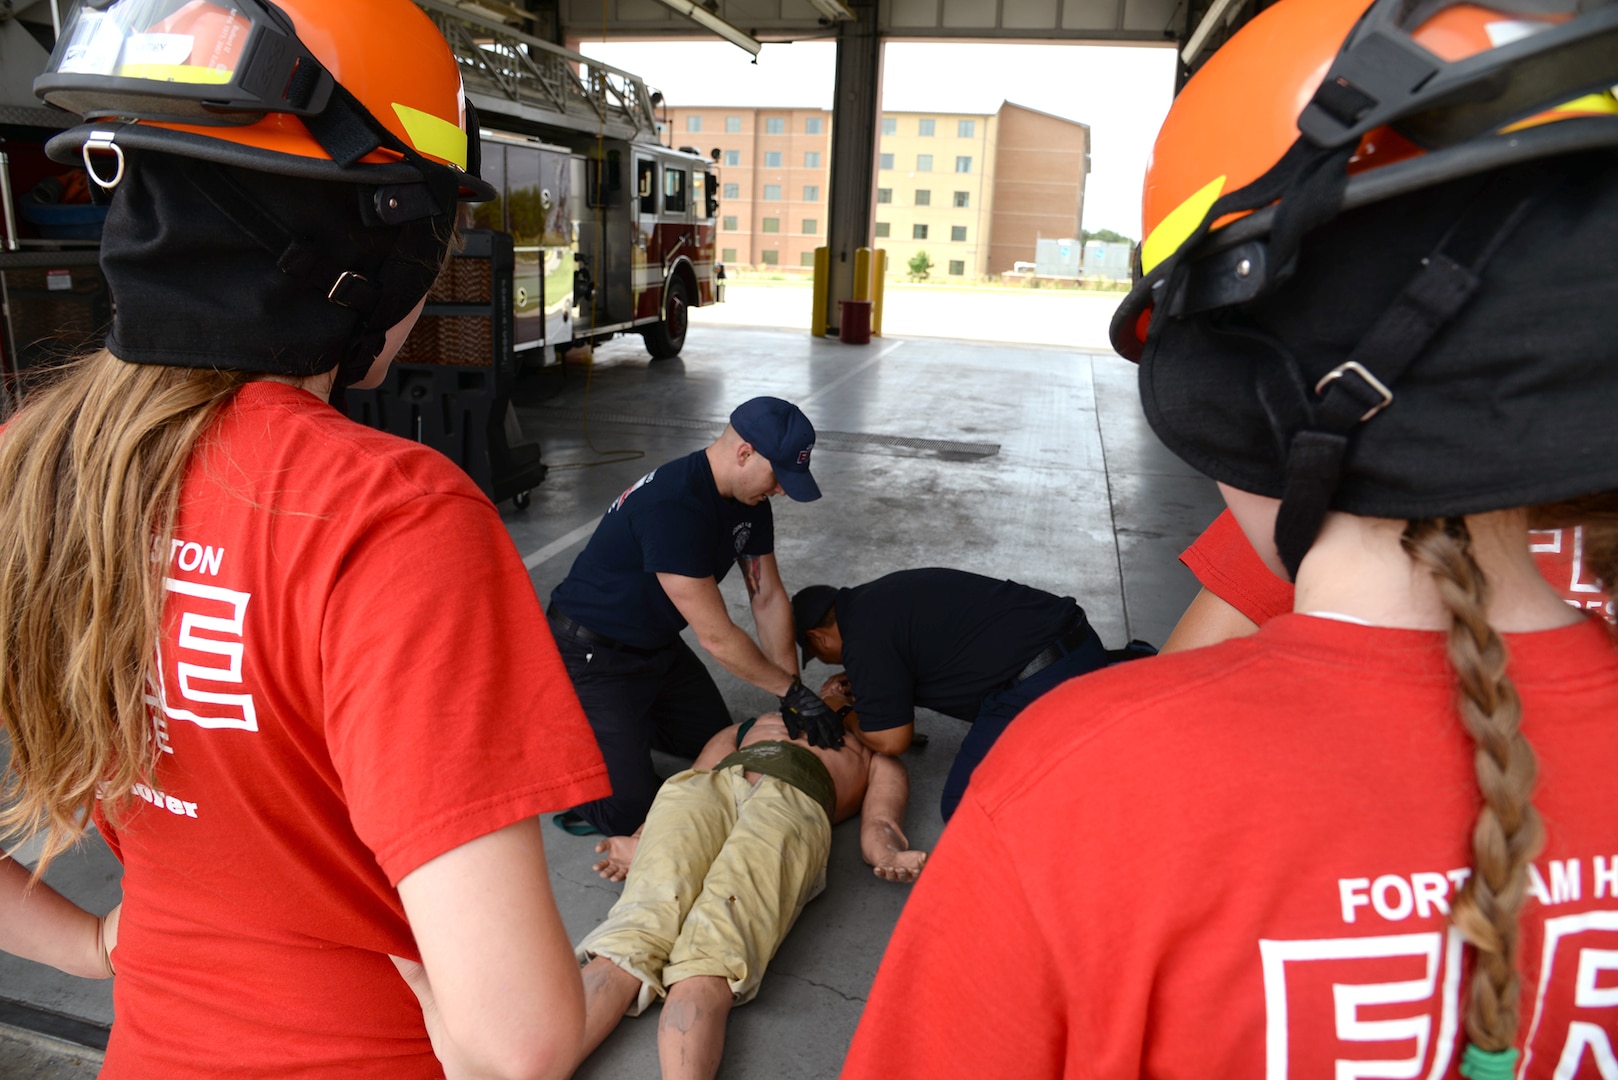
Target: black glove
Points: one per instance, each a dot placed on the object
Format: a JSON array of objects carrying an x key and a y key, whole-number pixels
[{"x": 804, "y": 712}]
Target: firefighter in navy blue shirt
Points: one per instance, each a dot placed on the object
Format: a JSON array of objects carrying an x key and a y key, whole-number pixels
[
  {"x": 976, "y": 648},
  {"x": 652, "y": 567}
]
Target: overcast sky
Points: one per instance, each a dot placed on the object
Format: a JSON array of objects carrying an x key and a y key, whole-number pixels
[{"x": 1122, "y": 92}]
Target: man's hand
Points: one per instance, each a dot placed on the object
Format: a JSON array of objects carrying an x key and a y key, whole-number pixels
[
  {"x": 619, "y": 852},
  {"x": 838, "y": 684},
  {"x": 806, "y": 714}
]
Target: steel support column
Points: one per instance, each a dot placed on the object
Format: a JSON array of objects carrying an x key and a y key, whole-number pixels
[{"x": 855, "y": 108}]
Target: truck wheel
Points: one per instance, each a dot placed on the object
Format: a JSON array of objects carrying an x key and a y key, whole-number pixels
[{"x": 665, "y": 338}]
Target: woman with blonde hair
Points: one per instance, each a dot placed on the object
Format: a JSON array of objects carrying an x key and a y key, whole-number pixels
[
  {"x": 1374, "y": 838},
  {"x": 292, "y": 667}
]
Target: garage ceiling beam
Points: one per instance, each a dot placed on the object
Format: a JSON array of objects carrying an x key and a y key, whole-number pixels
[
  {"x": 708, "y": 20},
  {"x": 1217, "y": 13}
]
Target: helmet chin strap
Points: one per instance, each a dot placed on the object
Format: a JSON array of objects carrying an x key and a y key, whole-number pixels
[{"x": 1356, "y": 390}]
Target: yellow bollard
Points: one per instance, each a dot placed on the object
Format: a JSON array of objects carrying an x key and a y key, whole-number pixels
[
  {"x": 817, "y": 317},
  {"x": 879, "y": 273},
  {"x": 862, "y": 273}
]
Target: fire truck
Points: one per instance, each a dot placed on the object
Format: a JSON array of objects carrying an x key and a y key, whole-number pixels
[
  {"x": 616, "y": 239},
  {"x": 598, "y": 230},
  {"x": 613, "y": 231}
]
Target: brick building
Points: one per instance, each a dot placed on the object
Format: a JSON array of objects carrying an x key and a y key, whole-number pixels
[
  {"x": 773, "y": 174},
  {"x": 1041, "y": 162},
  {"x": 972, "y": 190}
]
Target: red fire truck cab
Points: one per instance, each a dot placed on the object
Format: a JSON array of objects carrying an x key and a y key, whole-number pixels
[{"x": 615, "y": 237}]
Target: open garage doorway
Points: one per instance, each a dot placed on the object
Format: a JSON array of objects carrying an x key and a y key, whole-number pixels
[{"x": 1008, "y": 176}]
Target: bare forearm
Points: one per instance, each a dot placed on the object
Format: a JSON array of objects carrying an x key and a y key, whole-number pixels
[
  {"x": 880, "y": 839},
  {"x": 506, "y": 990},
  {"x": 772, "y": 614},
  {"x": 737, "y": 654},
  {"x": 886, "y": 796},
  {"x": 1208, "y": 620},
  {"x": 42, "y": 925}
]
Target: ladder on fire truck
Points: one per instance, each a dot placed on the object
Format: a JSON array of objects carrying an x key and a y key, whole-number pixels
[{"x": 514, "y": 75}]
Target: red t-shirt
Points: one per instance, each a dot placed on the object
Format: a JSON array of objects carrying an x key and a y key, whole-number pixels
[
  {"x": 356, "y": 679},
  {"x": 1236, "y": 861},
  {"x": 1227, "y": 566}
]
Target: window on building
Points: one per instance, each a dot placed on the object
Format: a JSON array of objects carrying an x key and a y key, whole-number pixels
[
  {"x": 811, "y": 125},
  {"x": 924, "y": 198},
  {"x": 807, "y": 258},
  {"x": 884, "y": 161},
  {"x": 728, "y": 223},
  {"x": 733, "y": 157},
  {"x": 727, "y": 255},
  {"x": 963, "y": 164},
  {"x": 925, "y": 127},
  {"x": 884, "y": 194},
  {"x": 770, "y": 224},
  {"x": 811, "y": 159},
  {"x": 674, "y": 190},
  {"x": 918, "y": 232},
  {"x": 734, "y": 191},
  {"x": 774, "y": 125},
  {"x": 811, "y": 193},
  {"x": 957, "y": 267},
  {"x": 966, "y": 129},
  {"x": 770, "y": 257},
  {"x": 733, "y": 125},
  {"x": 811, "y": 226},
  {"x": 693, "y": 123},
  {"x": 772, "y": 159},
  {"x": 890, "y": 125},
  {"x": 963, "y": 199},
  {"x": 957, "y": 234},
  {"x": 772, "y": 192},
  {"x": 924, "y": 163},
  {"x": 882, "y": 230}
]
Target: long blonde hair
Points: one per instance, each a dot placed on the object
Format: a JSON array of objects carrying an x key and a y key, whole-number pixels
[
  {"x": 90, "y": 474},
  {"x": 1508, "y": 832}
]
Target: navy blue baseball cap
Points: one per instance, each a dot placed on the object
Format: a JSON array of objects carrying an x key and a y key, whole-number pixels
[{"x": 779, "y": 430}]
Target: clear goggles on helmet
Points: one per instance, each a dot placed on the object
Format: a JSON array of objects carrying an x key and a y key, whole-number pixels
[
  {"x": 1536, "y": 53},
  {"x": 229, "y": 61}
]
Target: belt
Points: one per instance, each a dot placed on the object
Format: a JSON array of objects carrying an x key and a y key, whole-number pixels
[
  {"x": 1055, "y": 651},
  {"x": 562, "y": 626}
]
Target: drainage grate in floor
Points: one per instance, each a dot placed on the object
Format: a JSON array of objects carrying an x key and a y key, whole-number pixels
[{"x": 855, "y": 442}]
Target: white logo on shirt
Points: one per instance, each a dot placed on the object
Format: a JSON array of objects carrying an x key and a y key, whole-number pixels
[
  {"x": 1389, "y": 1006},
  {"x": 630, "y": 490},
  {"x": 211, "y": 624}
]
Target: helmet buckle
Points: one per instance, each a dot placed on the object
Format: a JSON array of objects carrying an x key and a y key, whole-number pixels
[
  {"x": 1354, "y": 367},
  {"x": 346, "y": 281},
  {"x": 102, "y": 142}
]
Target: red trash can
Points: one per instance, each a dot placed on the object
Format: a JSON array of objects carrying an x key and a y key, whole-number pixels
[{"x": 855, "y": 328}]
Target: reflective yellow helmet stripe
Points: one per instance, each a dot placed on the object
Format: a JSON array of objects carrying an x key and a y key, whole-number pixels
[
  {"x": 1176, "y": 228},
  {"x": 433, "y": 135},
  {"x": 1597, "y": 104},
  {"x": 177, "y": 73}
]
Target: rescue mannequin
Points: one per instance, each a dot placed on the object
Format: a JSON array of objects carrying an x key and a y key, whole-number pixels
[
  {"x": 1367, "y": 838},
  {"x": 276, "y": 655}
]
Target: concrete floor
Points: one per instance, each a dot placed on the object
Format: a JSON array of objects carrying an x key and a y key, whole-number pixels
[{"x": 1026, "y": 462}]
